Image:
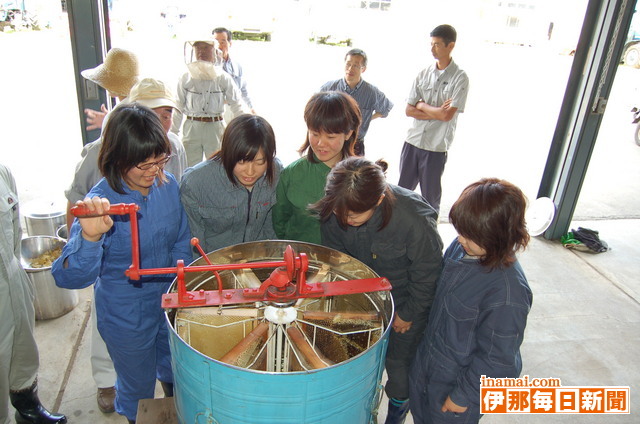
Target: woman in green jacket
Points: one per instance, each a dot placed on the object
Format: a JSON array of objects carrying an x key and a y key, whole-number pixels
[{"x": 332, "y": 119}]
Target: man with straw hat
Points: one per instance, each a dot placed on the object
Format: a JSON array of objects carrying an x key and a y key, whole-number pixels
[
  {"x": 202, "y": 94},
  {"x": 117, "y": 75}
]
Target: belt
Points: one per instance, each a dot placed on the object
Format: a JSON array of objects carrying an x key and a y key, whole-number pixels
[{"x": 205, "y": 118}]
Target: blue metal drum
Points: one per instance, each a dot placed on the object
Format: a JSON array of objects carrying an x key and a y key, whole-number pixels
[{"x": 321, "y": 361}]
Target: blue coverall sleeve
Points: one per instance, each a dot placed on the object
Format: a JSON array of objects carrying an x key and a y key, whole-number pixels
[
  {"x": 80, "y": 262},
  {"x": 499, "y": 336},
  {"x": 182, "y": 248}
]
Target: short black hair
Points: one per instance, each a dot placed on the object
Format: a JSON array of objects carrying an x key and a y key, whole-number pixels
[
  {"x": 132, "y": 135},
  {"x": 446, "y": 32},
  {"x": 242, "y": 140},
  {"x": 222, "y": 29},
  {"x": 357, "y": 52}
]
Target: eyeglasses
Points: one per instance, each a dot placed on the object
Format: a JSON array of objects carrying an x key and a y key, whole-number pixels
[
  {"x": 147, "y": 166},
  {"x": 353, "y": 65}
]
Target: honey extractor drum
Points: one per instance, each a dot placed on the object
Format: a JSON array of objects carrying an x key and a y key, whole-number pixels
[{"x": 307, "y": 360}]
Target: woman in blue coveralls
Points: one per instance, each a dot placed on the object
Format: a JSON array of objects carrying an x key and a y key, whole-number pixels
[
  {"x": 480, "y": 310},
  {"x": 130, "y": 319}
]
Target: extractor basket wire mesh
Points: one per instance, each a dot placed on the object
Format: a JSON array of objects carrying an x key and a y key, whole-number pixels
[{"x": 288, "y": 335}]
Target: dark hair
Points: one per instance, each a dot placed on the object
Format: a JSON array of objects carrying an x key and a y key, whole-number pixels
[
  {"x": 132, "y": 135},
  {"x": 355, "y": 185},
  {"x": 223, "y": 29},
  {"x": 357, "y": 52},
  {"x": 490, "y": 212},
  {"x": 242, "y": 140},
  {"x": 446, "y": 32},
  {"x": 332, "y": 112}
]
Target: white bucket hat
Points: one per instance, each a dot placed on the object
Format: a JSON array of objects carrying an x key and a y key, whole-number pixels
[
  {"x": 152, "y": 93},
  {"x": 117, "y": 74}
]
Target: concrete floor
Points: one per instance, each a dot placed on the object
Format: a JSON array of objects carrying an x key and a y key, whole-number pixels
[{"x": 583, "y": 329}]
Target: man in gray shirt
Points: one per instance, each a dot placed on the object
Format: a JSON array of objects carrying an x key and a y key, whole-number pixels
[
  {"x": 438, "y": 95},
  {"x": 372, "y": 102}
]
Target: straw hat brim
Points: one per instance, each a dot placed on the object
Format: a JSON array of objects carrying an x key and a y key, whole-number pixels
[{"x": 115, "y": 84}]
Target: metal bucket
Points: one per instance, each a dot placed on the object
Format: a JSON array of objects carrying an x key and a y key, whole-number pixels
[
  {"x": 51, "y": 301},
  {"x": 345, "y": 388},
  {"x": 43, "y": 217},
  {"x": 62, "y": 232}
]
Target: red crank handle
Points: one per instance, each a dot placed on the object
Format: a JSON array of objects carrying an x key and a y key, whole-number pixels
[{"x": 115, "y": 209}]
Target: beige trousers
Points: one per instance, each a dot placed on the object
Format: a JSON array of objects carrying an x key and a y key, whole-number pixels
[{"x": 201, "y": 138}]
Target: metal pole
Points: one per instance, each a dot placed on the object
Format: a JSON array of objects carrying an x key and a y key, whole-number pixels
[
  {"x": 590, "y": 80},
  {"x": 90, "y": 41}
]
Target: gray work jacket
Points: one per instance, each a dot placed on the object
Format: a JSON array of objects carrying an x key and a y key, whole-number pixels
[{"x": 221, "y": 213}]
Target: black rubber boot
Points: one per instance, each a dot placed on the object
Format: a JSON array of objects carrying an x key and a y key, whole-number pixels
[
  {"x": 167, "y": 388},
  {"x": 29, "y": 410},
  {"x": 397, "y": 412}
]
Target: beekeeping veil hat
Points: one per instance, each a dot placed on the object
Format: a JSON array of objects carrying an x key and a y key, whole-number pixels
[
  {"x": 117, "y": 74},
  {"x": 200, "y": 68}
]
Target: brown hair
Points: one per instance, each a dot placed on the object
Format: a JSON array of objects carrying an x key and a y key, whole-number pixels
[
  {"x": 332, "y": 112},
  {"x": 355, "y": 185},
  {"x": 490, "y": 212},
  {"x": 242, "y": 140}
]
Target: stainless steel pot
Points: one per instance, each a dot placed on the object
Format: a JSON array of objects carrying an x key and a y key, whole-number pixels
[
  {"x": 51, "y": 301},
  {"x": 62, "y": 232},
  {"x": 43, "y": 217}
]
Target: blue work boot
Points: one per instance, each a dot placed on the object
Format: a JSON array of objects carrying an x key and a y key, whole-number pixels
[{"x": 397, "y": 411}]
